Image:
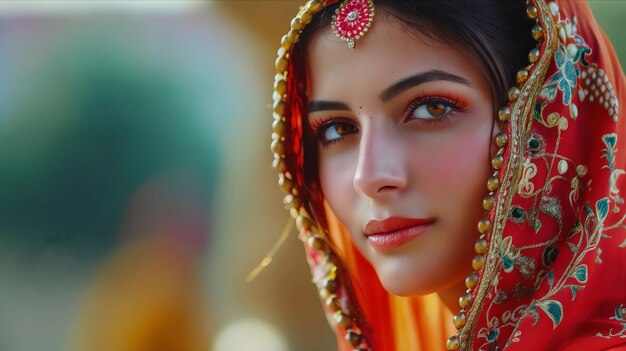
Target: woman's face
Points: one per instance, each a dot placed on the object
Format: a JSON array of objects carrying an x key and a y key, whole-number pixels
[{"x": 404, "y": 125}]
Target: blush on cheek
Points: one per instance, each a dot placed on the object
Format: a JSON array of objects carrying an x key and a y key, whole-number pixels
[
  {"x": 462, "y": 167},
  {"x": 463, "y": 156},
  {"x": 336, "y": 179}
]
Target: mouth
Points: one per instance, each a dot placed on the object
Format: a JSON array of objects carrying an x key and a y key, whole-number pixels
[{"x": 394, "y": 232}]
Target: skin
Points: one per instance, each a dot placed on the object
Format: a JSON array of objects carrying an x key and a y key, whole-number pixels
[{"x": 420, "y": 150}]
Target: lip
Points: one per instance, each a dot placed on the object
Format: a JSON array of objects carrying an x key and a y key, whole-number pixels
[{"x": 393, "y": 232}]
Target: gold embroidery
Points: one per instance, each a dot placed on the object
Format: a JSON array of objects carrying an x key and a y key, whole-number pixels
[{"x": 519, "y": 125}]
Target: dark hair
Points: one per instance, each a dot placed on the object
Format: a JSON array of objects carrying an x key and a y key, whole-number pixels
[{"x": 496, "y": 33}]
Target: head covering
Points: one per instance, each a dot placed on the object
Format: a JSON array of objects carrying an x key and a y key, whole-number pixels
[{"x": 550, "y": 266}]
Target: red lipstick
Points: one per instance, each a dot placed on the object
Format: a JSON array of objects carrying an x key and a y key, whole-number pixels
[{"x": 394, "y": 232}]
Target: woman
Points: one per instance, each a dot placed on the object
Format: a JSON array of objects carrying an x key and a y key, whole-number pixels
[{"x": 390, "y": 118}]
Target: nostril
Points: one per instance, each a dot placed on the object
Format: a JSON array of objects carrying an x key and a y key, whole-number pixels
[{"x": 386, "y": 188}]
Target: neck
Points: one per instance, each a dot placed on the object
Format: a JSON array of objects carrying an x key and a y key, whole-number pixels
[{"x": 450, "y": 296}]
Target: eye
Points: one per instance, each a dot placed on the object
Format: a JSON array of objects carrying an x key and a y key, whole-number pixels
[
  {"x": 431, "y": 109},
  {"x": 333, "y": 131}
]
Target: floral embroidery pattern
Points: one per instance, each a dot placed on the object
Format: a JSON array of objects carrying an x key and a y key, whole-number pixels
[
  {"x": 610, "y": 141},
  {"x": 619, "y": 316},
  {"x": 567, "y": 75},
  {"x": 529, "y": 277}
]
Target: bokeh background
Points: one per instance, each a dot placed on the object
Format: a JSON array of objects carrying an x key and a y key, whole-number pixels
[{"x": 136, "y": 188}]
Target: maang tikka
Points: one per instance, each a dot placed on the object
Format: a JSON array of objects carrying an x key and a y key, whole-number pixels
[{"x": 352, "y": 20}]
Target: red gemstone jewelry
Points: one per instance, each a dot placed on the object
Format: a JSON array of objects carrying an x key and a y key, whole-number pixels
[{"x": 352, "y": 20}]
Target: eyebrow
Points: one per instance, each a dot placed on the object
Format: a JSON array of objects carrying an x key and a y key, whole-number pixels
[
  {"x": 417, "y": 79},
  {"x": 394, "y": 90},
  {"x": 320, "y": 105}
]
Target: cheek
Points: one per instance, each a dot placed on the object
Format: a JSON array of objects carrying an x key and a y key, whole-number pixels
[
  {"x": 453, "y": 185},
  {"x": 456, "y": 186},
  {"x": 460, "y": 166},
  {"x": 336, "y": 171}
]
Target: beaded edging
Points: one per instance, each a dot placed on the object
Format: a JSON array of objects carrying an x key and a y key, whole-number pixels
[
  {"x": 515, "y": 116},
  {"x": 321, "y": 259}
]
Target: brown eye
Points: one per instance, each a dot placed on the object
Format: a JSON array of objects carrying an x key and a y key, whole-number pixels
[
  {"x": 437, "y": 109},
  {"x": 337, "y": 130},
  {"x": 344, "y": 129},
  {"x": 431, "y": 110}
]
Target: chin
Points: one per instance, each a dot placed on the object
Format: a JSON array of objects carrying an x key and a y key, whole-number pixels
[{"x": 405, "y": 284}]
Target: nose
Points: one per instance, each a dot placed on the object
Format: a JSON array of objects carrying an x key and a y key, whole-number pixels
[{"x": 381, "y": 170}]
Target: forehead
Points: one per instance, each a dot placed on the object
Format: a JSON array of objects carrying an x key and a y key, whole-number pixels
[{"x": 388, "y": 52}]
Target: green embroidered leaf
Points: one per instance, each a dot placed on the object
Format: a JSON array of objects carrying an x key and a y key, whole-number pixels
[
  {"x": 577, "y": 55},
  {"x": 537, "y": 111},
  {"x": 554, "y": 310},
  {"x": 602, "y": 209},
  {"x": 581, "y": 273},
  {"x": 575, "y": 229},
  {"x": 570, "y": 73},
  {"x": 493, "y": 334},
  {"x": 572, "y": 247},
  {"x": 620, "y": 313},
  {"x": 548, "y": 92},
  {"x": 573, "y": 289},
  {"x": 567, "y": 91},
  {"x": 533, "y": 311},
  {"x": 610, "y": 140},
  {"x": 559, "y": 55},
  {"x": 550, "y": 279},
  {"x": 583, "y": 56},
  {"x": 537, "y": 225},
  {"x": 507, "y": 262}
]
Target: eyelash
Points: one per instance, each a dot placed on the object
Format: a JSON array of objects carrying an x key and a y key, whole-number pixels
[
  {"x": 319, "y": 126},
  {"x": 454, "y": 103}
]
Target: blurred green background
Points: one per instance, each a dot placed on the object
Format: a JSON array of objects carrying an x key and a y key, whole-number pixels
[{"x": 136, "y": 189}]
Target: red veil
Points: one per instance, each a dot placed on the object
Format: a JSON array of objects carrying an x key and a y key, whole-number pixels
[
  {"x": 550, "y": 270},
  {"x": 555, "y": 272}
]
